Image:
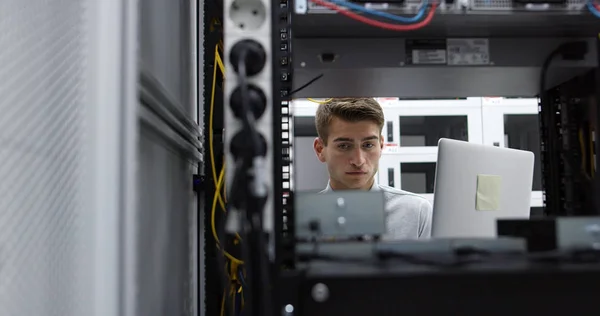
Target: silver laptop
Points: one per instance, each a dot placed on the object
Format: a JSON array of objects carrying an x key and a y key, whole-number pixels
[{"x": 477, "y": 184}]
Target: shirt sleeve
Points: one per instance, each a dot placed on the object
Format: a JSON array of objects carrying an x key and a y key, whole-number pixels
[{"x": 425, "y": 217}]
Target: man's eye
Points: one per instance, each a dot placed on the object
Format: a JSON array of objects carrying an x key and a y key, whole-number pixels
[
  {"x": 369, "y": 145},
  {"x": 343, "y": 146}
]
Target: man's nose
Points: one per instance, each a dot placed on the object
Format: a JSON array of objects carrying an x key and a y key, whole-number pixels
[{"x": 358, "y": 158}]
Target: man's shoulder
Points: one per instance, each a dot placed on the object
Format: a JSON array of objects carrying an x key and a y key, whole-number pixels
[
  {"x": 404, "y": 197},
  {"x": 397, "y": 192}
]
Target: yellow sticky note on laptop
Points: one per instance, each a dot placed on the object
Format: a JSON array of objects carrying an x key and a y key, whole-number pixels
[{"x": 488, "y": 192}]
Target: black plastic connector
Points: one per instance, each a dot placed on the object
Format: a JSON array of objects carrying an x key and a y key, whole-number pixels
[
  {"x": 197, "y": 183},
  {"x": 327, "y": 58},
  {"x": 242, "y": 143},
  {"x": 256, "y": 101},
  {"x": 253, "y": 53}
]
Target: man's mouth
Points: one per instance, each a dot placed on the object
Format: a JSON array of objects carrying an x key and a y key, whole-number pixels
[{"x": 356, "y": 173}]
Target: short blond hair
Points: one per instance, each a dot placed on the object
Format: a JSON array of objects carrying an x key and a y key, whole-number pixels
[{"x": 347, "y": 109}]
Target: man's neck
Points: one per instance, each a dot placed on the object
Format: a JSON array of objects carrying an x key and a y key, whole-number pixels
[{"x": 336, "y": 186}]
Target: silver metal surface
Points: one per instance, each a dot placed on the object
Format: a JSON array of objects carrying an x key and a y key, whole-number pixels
[
  {"x": 43, "y": 222},
  {"x": 156, "y": 97},
  {"x": 77, "y": 213},
  {"x": 288, "y": 310},
  {"x": 572, "y": 6},
  {"x": 165, "y": 46},
  {"x": 578, "y": 232},
  {"x": 366, "y": 250},
  {"x": 150, "y": 118},
  {"x": 377, "y": 67},
  {"x": 166, "y": 202},
  {"x": 196, "y": 223},
  {"x": 168, "y": 151},
  {"x": 487, "y": 6},
  {"x": 339, "y": 214},
  {"x": 111, "y": 159},
  {"x": 67, "y": 80}
]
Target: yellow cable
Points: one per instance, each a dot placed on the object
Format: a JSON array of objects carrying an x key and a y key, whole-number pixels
[
  {"x": 233, "y": 298},
  {"x": 218, "y": 182},
  {"x": 233, "y": 270},
  {"x": 317, "y": 101},
  {"x": 212, "y": 219},
  {"x": 219, "y": 63},
  {"x": 583, "y": 153},
  {"x": 223, "y": 303}
]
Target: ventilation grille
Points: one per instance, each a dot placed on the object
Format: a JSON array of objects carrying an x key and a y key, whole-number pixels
[
  {"x": 43, "y": 261},
  {"x": 411, "y": 6},
  {"x": 508, "y": 5}
]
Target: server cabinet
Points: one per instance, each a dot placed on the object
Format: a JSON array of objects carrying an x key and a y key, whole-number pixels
[
  {"x": 98, "y": 147},
  {"x": 514, "y": 123}
]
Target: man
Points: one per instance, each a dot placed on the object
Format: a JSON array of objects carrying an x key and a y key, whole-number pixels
[{"x": 350, "y": 143}]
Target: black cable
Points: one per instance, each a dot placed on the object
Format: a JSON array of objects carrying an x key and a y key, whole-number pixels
[
  {"x": 222, "y": 266},
  {"x": 248, "y": 117},
  {"x": 548, "y": 115},
  {"x": 545, "y": 66},
  {"x": 304, "y": 86},
  {"x": 569, "y": 51},
  {"x": 258, "y": 278}
]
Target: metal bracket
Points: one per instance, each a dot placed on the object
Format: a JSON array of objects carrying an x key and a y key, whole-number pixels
[
  {"x": 301, "y": 6},
  {"x": 198, "y": 182}
]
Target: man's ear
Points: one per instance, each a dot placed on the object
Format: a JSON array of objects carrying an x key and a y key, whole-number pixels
[
  {"x": 319, "y": 146},
  {"x": 381, "y": 144}
]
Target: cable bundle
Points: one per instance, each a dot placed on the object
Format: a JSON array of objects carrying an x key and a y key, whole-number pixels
[
  {"x": 233, "y": 268},
  {"x": 413, "y": 23}
]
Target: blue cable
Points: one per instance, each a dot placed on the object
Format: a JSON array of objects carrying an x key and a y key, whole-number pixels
[
  {"x": 402, "y": 19},
  {"x": 592, "y": 9},
  {"x": 241, "y": 277}
]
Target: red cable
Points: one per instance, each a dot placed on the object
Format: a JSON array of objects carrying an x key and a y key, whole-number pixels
[{"x": 383, "y": 25}]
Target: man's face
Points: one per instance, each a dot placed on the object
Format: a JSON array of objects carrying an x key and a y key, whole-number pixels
[{"x": 352, "y": 153}]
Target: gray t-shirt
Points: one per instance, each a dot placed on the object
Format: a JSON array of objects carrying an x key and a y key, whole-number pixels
[{"x": 408, "y": 216}]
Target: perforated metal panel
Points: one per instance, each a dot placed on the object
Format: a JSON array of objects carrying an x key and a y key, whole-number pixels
[
  {"x": 44, "y": 246},
  {"x": 509, "y": 5}
]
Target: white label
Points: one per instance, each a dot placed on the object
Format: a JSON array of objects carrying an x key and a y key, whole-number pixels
[
  {"x": 377, "y": 6},
  {"x": 468, "y": 51},
  {"x": 428, "y": 56}
]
